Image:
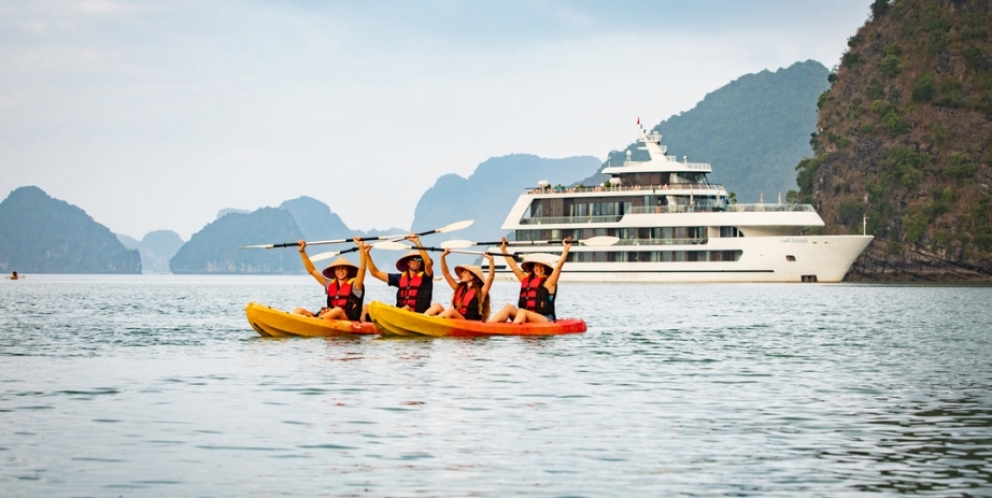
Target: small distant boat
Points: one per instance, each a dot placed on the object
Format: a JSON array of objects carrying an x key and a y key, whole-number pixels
[
  {"x": 270, "y": 322},
  {"x": 394, "y": 321}
]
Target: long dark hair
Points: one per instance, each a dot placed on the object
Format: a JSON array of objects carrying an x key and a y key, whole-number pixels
[{"x": 476, "y": 284}]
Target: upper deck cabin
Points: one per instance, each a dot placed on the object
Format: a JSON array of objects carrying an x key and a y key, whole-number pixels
[{"x": 660, "y": 169}]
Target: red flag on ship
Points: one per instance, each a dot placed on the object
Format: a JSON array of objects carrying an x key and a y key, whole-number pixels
[{"x": 638, "y": 120}]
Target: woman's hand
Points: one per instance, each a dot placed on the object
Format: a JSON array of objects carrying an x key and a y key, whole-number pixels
[
  {"x": 445, "y": 252},
  {"x": 489, "y": 258},
  {"x": 502, "y": 244},
  {"x": 301, "y": 245}
]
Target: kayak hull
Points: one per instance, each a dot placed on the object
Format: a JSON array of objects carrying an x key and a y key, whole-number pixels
[
  {"x": 398, "y": 322},
  {"x": 270, "y": 322}
]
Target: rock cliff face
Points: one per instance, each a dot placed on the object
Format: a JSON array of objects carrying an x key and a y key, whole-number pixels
[
  {"x": 39, "y": 234},
  {"x": 905, "y": 140}
]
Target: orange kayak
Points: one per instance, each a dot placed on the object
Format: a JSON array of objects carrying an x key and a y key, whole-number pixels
[
  {"x": 398, "y": 322},
  {"x": 270, "y": 322}
]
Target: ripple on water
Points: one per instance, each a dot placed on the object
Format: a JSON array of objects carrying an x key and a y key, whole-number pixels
[{"x": 758, "y": 390}]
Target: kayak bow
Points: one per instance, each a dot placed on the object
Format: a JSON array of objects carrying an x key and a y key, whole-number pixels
[{"x": 270, "y": 322}]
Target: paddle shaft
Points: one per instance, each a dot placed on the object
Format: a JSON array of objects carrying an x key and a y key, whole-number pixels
[
  {"x": 459, "y": 251},
  {"x": 364, "y": 239},
  {"x": 526, "y": 242}
]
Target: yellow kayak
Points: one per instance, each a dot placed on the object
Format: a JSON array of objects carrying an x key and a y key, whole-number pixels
[
  {"x": 395, "y": 321},
  {"x": 270, "y": 322}
]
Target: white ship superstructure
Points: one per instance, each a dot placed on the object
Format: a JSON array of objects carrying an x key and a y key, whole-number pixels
[{"x": 674, "y": 226}]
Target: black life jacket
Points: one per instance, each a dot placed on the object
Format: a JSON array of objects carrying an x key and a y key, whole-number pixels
[
  {"x": 466, "y": 302},
  {"x": 340, "y": 296},
  {"x": 415, "y": 292},
  {"x": 534, "y": 296}
]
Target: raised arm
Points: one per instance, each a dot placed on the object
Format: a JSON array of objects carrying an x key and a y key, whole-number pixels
[
  {"x": 377, "y": 273},
  {"x": 362, "y": 258},
  {"x": 428, "y": 262},
  {"x": 302, "y": 246},
  {"x": 512, "y": 263},
  {"x": 490, "y": 276},
  {"x": 444, "y": 270},
  {"x": 552, "y": 283}
]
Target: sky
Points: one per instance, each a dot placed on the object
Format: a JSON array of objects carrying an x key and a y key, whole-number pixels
[{"x": 156, "y": 115}]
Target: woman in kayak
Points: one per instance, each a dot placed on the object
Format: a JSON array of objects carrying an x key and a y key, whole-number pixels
[
  {"x": 538, "y": 287},
  {"x": 471, "y": 298},
  {"x": 414, "y": 283},
  {"x": 343, "y": 282}
]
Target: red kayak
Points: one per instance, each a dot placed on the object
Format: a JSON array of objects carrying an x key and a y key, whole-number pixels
[{"x": 399, "y": 322}]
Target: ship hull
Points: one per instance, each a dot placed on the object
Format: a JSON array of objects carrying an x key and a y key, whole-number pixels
[{"x": 763, "y": 259}]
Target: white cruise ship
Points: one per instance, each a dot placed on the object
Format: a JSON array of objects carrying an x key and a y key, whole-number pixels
[{"x": 674, "y": 226}]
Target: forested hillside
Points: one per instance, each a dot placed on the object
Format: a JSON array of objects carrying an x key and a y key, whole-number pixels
[{"x": 906, "y": 140}]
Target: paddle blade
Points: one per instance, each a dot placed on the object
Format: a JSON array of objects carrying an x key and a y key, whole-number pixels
[
  {"x": 455, "y": 226},
  {"x": 457, "y": 244},
  {"x": 390, "y": 245},
  {"x": 324, "y": 255},
  {"x": 600, "y": 241},
  {"x": 258, "y": 246}
]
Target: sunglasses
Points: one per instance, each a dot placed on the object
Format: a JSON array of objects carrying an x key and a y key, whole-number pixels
[{"x": 417, "y": 259}]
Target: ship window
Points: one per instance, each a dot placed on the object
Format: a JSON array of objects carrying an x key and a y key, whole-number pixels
[{"x": 790, "y": 258}]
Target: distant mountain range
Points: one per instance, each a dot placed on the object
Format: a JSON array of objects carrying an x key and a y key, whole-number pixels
[
  {"x": 39, "y": 234},
  {"x": 214, "y": 248},
  {"x": 156, "y": 249},
  {"x": 487, "y": 195},
  {"x": 753, "y": 131}
]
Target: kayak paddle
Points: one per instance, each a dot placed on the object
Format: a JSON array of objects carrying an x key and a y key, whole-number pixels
[
  {"x": 396, "y": 246},
  {"x": 329, "y": 255},
  {"x": 594, "y": 241},
  {"x": 450, "y": 228}
]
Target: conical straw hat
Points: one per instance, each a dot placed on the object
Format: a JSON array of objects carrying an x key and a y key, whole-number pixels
[
  {"x": 475, "y": 269},
  {"x": 329, "y": 271},
  {"x": 540, "y": 258},
  {"x": 401, "y": 264}
]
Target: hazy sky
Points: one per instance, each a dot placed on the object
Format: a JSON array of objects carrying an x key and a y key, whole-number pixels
[{"x": 155, "y": 115}]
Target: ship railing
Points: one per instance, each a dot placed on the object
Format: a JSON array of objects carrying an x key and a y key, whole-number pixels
[
  {"x": 640, "y": 189},
  {"x": 675, "y": 208},
  {"x": 662, "y": 242},
  {"x": 779, "y": 208},
  {"x": 555, "y": 220}
]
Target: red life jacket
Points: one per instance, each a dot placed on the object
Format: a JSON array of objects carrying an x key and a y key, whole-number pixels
[
  {"x": 337, "y": 295},
  {"x": 466, "y": 302},
  {"x": 340, "y": 296},
  {"x": 409, "y": 288},
  {"x": 534, "y": 296}
]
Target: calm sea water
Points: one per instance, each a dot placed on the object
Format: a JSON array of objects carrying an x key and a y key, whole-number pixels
[{"x": 157, "y": 386}]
